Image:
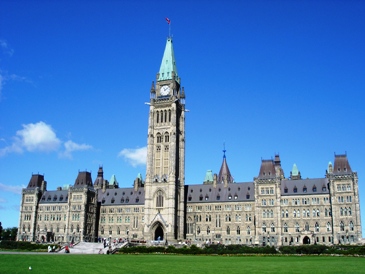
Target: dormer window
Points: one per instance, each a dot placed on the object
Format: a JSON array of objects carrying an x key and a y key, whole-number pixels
[
  {"x": 55, "y": 198},
  {"x": 229, "y": 197},
  {"x": 314, "y": 189},
  {"x": 218, "y": 197},
  {"x": 103, "y": 201},
  {"x": 127, "y": 200},
  {"x": 247, "y": 196},
  {"x": 201, "y": 198},
  {"x": 137, "y": 199},
  {"x": 206, "y": 197},
  {"x": 295, "y": 190},
  {"x": 113, "y": 200},
  {"x": 285, "y": 190},
  {"x": 122, "y": 200},
  {"x": 305, "y": 189},
  {"x": 235, "y": 197}
]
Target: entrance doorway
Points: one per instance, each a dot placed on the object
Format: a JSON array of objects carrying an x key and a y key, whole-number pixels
[
  {"x": 158, "y": 234},
  {"x": 306, "y": 240}
]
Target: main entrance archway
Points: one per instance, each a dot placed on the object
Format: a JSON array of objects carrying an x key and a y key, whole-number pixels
[
  {"x": 158, "y": 233},
  {"x": 306, "y": 240}
]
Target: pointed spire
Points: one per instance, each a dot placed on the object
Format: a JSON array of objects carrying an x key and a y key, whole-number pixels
[
  {"x": 224, "y": 173},
  {"x": 168, "y": 64}
]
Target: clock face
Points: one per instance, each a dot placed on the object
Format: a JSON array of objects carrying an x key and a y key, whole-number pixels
[{"x": 165, "y": 90}]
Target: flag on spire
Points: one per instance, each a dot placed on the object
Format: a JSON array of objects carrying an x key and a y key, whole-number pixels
[{"x": 168, "y": 20}]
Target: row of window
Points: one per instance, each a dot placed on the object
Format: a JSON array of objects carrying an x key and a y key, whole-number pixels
[
  {"x": 52, "y": 208},
  {"x": 52, "y": 217},
  {"x": 120, "y": 210},
  {"x": 267, "y": 190},
  {"x": 29, "y": 199},
  {"x": 163, "y": 116},
  {"x": 343, "y": 187},
  {"x": 342, "y": 199},
  {"x": 305, "y": 189}
]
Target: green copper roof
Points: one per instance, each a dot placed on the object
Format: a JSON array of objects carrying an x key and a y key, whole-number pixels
[
  {"x": 168, "y": 64},
  {"x": 139, "y": 176},
  {"x": 294, "y": 171},
  {"x": 208, "y": 176},
  {"x": 113, "y": 180}
]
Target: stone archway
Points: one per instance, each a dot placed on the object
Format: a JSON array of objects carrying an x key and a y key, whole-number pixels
[
  {"x": 306, "y": 240},
  {"x": 159, "y": 233}
]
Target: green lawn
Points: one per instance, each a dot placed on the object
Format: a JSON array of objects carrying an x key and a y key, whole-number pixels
[{"x": 68, "y": 263}]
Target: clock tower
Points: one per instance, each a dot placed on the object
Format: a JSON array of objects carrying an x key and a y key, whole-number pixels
[{"x": 165, "y": 172}]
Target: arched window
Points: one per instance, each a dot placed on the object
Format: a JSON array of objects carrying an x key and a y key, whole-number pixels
[
  {"x": 306, "y": 227},
  {"x": 351, "y": 225},
  {"x": 159, "y": 138},
  {"x": 238, "y": 230},
  {"x": 248, "y": 230},
  {"x": 165, "y": 114},
  {"x": 208, "y": 230},
  {"x": 167, "y": 137},
  {"x": 169, "y": 115},
  {"x": 161, "y": 118},
  {"x": 264, "y": 227},
  {"x": 342, "y": 226},
  {"x": 341, "y": 211},
  {"x": 328, "y": 226},
  {"x": 296, "y": 227},
  {"x": 350, "y": 212},
  {"x": 157, "y": 116},
  {"x": 285, "y": 227},
  {"x": 159, "y": 199},
  {"x": 345, "y": 211},
  {"x": 272, "y": 227},
  {"x": 228, "y": 230},
  {"x": 190, "y": 226},
  {"x": 316, "y": 227}
]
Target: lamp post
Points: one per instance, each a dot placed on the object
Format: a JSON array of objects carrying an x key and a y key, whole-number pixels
[{"x": 127, "y": 235}]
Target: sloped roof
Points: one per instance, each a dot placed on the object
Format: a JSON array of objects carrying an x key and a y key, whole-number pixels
[
  {"x": 267, "y": 169},
  {"x": 35, "y": 181},
  {"x": 168, "y": 64},
  {"x": 224, "y": 171},
  {"x": 121, "y": 196},
  {"x": 342, "y": 165},
  {"x": 83, "y": 179},
  {"x": 54, "y": 197},
  {"x": 304, "y": 187},
  {"x": 238, "y": 192}
]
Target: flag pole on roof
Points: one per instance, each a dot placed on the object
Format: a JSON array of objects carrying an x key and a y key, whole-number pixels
[{"x": 169, "y": 23}]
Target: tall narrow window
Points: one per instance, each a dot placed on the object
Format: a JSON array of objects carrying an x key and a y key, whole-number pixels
[
  {"x": 157, "y": 116},
  {"x": 165, "y": 116},
  {"x": 159, "y": 199},
  {"x": 169, "y": 115}
]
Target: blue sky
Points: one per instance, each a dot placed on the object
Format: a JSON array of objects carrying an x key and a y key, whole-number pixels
[{"x": 263, "y": 77}]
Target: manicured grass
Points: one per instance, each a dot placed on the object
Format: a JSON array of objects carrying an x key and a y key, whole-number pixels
[{"x": 68, "y": 263}]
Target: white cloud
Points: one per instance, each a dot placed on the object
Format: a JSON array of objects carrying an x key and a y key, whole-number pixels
[
  {"x": 71, "y": 146},
  {"x": 12, "y": 189},
  {"x": 2, "y": 201},
  {"x": 40, "y": 137},
  {"x": 135, "y": 157},
  {"x": 5, "y": 48}
]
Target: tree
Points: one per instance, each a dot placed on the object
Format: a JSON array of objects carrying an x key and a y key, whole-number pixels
[
  {"x": 10, "y": 233},
  {"x": 1, "y": 230}
]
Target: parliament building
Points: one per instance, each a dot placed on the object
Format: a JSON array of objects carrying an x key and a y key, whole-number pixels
[{"x": 270, "y": 210}]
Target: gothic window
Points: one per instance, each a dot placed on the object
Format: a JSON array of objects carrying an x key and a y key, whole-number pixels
[
  {"x": 169, "y": 115},
  {"x": 282, "y": 213},
  {"x": 350, "y": 212},
  {"x": 159, "y": 138},
  {"x": 285, "y": 227},
  {"x": 316, "y": 227},
  {"x": 167, "y": 137},
  {"x": 264, "y": 228},
  {"x": 238, "y": 230},
  {"x": 272, "y": 227},
  {"x": 165, "y": 116},
  {"x": 286, "y": 214},
  {"x": 198, "y": 230},
  {"x": 342, "y": 226},
  {"x": 326, "y": 212},
  {"x": 161, "y": 118},
  {"x": 351, "y": 225},
  {"x": 208, "y": 230},
  {"x": 296, "y": 227},
  {"x": 157, "y": 116},
  {"x": 159, "y": 199},
  {"x": 341, "y": 211},
  {"x": 328, "y": 226},
  {"x": 248, "y": 230}
]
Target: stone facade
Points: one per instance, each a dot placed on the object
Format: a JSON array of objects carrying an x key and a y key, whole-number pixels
[{"x": 270, "y": 210}]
